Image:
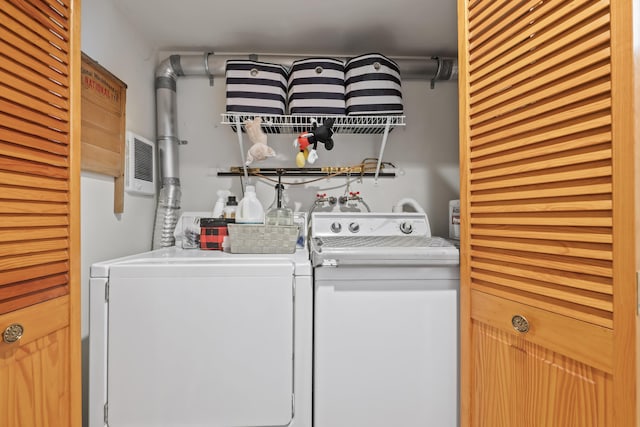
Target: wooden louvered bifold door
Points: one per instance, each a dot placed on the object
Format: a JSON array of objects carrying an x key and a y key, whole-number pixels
[
  {"x": 537, "y": 189},
  {"x": 34, "y": 152},
  {"x": 540, "y": 156}
]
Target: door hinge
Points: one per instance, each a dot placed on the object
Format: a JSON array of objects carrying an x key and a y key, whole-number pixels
[
  {"x": 106, "y": 291},
  {"x": 106, "y": 414}
]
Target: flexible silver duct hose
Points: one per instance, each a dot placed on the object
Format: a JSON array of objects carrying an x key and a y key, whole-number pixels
[
  {"x": 167, "y": 215},
  {"x": 168, "y": 206}
]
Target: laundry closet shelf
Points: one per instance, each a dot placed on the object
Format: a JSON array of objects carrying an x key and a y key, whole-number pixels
[{"x": 274, "y": 124}]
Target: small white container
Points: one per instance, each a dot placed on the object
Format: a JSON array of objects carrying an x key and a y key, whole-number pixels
[
  {"x": 229, "y": 210},
  {"x": 250, "y": 210}
]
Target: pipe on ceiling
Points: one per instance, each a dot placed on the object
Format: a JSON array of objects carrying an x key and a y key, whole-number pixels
[
  {"x": 411, "y": 67},
  {"x": 213, "y": 65}
]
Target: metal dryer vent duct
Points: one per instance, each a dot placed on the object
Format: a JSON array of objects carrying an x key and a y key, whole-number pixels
[{"x": 210, "y": 65}]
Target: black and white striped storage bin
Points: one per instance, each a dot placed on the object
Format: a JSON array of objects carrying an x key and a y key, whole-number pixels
[
  {"x": 316, "y": 86},
  {"x": 256, "y": 87},
  {"x": 373, "y": 86}
]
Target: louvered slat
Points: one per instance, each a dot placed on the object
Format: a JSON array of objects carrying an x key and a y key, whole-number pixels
[
  {"x": 501, "y": 80},
  {"x": 34, "y": 164},
  {"x": 576, "y": 234},
  {"x": 45, "y": 95},
  {"x": 29, "y": 287},
  {"x": 540, "y": 170},
  {"x": 42, "y": 149},
  {"x": 571, "y": 219},
  {"x": 541, "y": 34},
  {"x": 36, "y": 182},
  {"x": 583, "y": 108},
  {"x": 568, "y": 158},
  {"x": 564, "y": 188},
  {"x": 550, "y": 204},
  {"x": 15, "y": 277},
  {"x": 45, "y": 16},
  {"x": 28, "y": 194},
  {"x": 35, "y": 35},
  {"x": 34, "y": 260},
  {"x": 498, "y": 34},
  {"x": 542, "y": 102},
  {"x": 483, "y": 16},
  {"x": 21, "y": 207},
  {"x": 586, "y": 282},
  {"x": 35, "y": 233},
  {"x": 545, "y": 148},
  {"x": 34, "y": 167},
  {"x": 545, "y": 45},
  {"x": 594, "y": 300},
  {"x": 33, "y": 78},
  {"x": 41, "y": 56}
]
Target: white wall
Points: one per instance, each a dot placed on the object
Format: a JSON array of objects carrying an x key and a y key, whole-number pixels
[
  {"x": 109, "y": 39},
  {"x": 425, "y": 152}
]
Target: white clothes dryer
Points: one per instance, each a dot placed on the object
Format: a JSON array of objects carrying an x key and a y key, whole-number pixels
[{"x": 201, "y": 338}]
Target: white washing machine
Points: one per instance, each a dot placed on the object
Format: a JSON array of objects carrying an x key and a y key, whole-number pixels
[
  {"x": 201, "y": 338},
  {"x": 385, "y": 322}
]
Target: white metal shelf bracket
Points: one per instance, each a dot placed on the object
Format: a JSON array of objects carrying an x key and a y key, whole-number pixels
[
  {"x": 241, "y": 145},
  {"x": 385, "y": 135}
]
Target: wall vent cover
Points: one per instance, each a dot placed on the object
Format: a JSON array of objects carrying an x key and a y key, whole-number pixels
[{"x": 140, "y": 174}]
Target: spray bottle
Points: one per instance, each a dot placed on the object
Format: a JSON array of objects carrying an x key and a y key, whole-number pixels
[{"x": 218, "y": 209}]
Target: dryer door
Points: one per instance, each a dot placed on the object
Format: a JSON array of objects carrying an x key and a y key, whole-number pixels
[{"x": 200, "y": 344}]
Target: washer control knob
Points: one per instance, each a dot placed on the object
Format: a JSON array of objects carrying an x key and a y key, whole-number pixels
[
  {"x": 336, "y": 227},
  {"x": 354, "y": 227},
  {"x": 406, "y": 227}
]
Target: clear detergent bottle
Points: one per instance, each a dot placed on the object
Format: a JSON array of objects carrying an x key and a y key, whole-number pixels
[{"x": 250, "y": 210}]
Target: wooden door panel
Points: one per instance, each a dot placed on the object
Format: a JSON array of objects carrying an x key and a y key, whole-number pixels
[
  {"x": 36, "y": 131},
  {"x": 549, "y": 146},
  {"x": 35, "y": 370},
  {"x": 40, "y": 212},
  {"x": 539, "y": 161},
  {"x": 519, "y": 383}
]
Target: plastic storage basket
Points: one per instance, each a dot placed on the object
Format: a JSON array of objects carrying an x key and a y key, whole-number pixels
[
  {"x": 316, "y": 86},
  {"x": 262, "y": 239},
  {"x": 373, "y": 86},
  {"x": 256, "y": 87}
]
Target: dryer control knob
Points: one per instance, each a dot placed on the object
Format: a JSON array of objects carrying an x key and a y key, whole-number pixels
[
  {"x": 336, "y": 227},
  {"x": 406, "y": 227},
  {"x": 354, "y": 227}
]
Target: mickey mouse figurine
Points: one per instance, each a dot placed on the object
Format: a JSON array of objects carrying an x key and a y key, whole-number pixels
[{"x": 303, "y": 142}]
